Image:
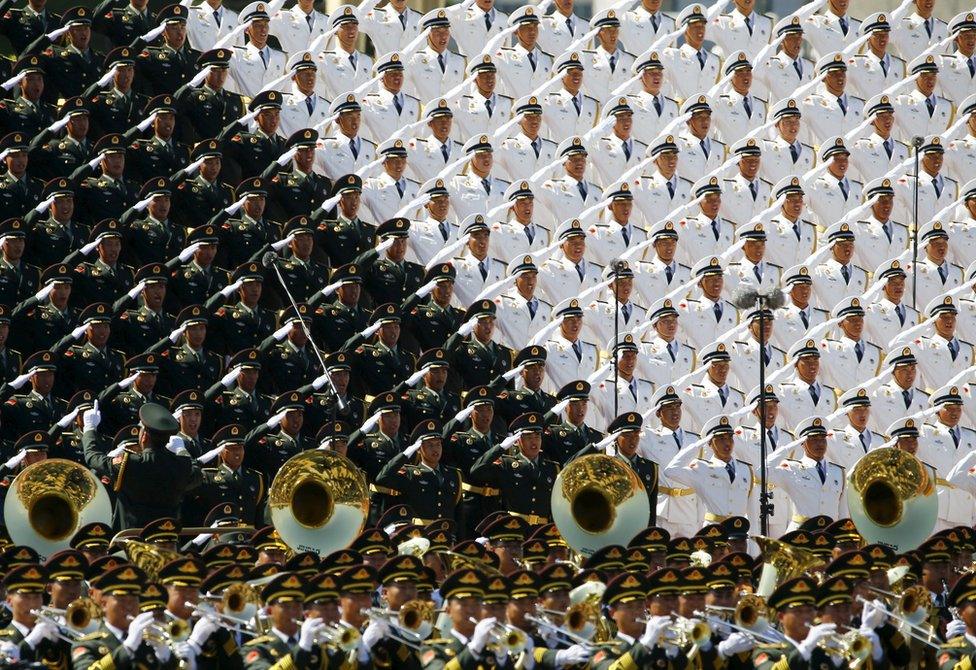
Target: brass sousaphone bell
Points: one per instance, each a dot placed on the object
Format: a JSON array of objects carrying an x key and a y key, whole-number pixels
[
  {"x": 49, "y": 501},
  {"x": 892, "y": 499},
  {"x": 318, "y": 501},
  {"x": 598, "y": 500}
]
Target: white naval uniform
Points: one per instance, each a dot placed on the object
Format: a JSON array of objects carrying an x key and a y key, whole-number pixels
[
  {"x": 380, "y": 115},
  {"x": 654, "y": 200},
  {"x": 516, "y": 76},
  {"x": 808, "y": 496},
  {"x": 425, "y": 157},
  {"x": 796, "y": 399},
  {"x": 469, "y": 282},
  {"x": 426, "y": 239},
  {"x": 780, "y": 75},
  {"x": 692, "y": 158},
  {"x": 937, "y": 446},
  {"x": 747, "y": 351},
  {"x": 295, "y": 116},
  {"x": 955, "y": 76},
  {"x": 839, "y": 364},
  {"x": 870, "y": 159},
  {"x": 559, "y": 279},
  {"x": 510, "y": 239},
  {"x": 678, "y": 507},
  {"x": 560, "y": 118},
  {"x": 610, "y": 159},
  {"x": 747, "y": 448},
  {"x": 648, "y": 122},
  {"x": 249, "y": 74},
  {"x": 866, "y": 73},
  {"x": 846, "y": 446},
  {"x": 516, "y": 158},
  {"x": 738, "y": 203},
  {"x": 424, "y": 77},
  {"x": 763, "y": 276},
  {"x": 387, "y": 30},
  {"x": 826, "y": 199},
  {"x": 560, "y": 200},
  {"x": 637, "y": 30},
  {"x": 696, "y": 238},
  {"x": 882, "y": 321},
  {"x": 686, "y": 76},
  {"x": 334, "y": 157},
  {"x": 600, "y": 79},
  {"x": 292, "y": 28},
  {"x": 338, "y": 75},
  {"x": 468, "y": 194},
  {"x": 632, "y": 396},
  {"x": 468, "y": 27},
  {"x": 789, "y": 324},
  {"x": 960, "y": 159},
  {"x": 651, "y": 278},
  {"x": 662, "y": 362},
  {"x": 606, "y": 242},
  {"x": 777, "y": 159},
  {"x": 930, "y": 282},
  {"x": 471, "y": 115},
  {"x": 514, "y": 320},
  {"x": 382, "y": 197},
  {"x": 731, "y": 33},
  {"x": 888, "y": 405},
  {"x": 701, "y": 401},
  {"x": 829, "y": 285},
  {"x": 730, "y": 117},
  {"x": 555, "y": 36},
  {"x": 929, "y": 203},
  {"x": 873, "y": 246},
  {"x": 700, "y": 323},
  {"x": 824, "y": 34},
  {"x": 912, "y": 115},
  {"x": 709, "y": 477},
  {"x": 966, "y": 321},
  {"x": 936, "y": 365},
  {"x": 202, "y": 31},
  {"x": 909, "y": 37},
  {"x": 962, "y": 240},
  {"x": 565, "y": 365},
  {"x": 599, "y": 322},
  {"x": 782, "y": 246},
  {"x": 824, "y": 117}
]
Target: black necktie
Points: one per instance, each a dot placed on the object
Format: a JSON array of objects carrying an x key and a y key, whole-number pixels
[
  {"x": 749, "y": 26},
  {"x": 670, "y": 190},
  {"x": 537, "y": 146},
  {"x": 859, "y": 351},
  {"x": 403, "y": 20},
  {"x": 754, "y": 190},
  {"x": 669, "y": 272},
  {"x": 533, "y": 306},
  {"x": 844, "y": 25},
  {"x": 954, "y": 348},
  {"x": 578, "y": 350},
  {"x": 931, "y": 106},
  {"x": 748, "y": 105},
  {"x": 907, "y": 398},
  {"x": 487, "y": 22},
  {"x": 532, "y": 60},
  {"x": 626, "y": 147},
  {"x": 398, "y": 104},
  {"x": 657, "y": 105},
  {"x": 846, "y": 271},
  {"x": 442, "y": 63},
  {"x": 900, "y": 311},
  {"x": 729, "y": 468},
  {"x": 844, "y": 188},
  {"x": 955, "y": 436},
  {"x": 655, "y": 21},
  {"x": 794, "y": 152},
  {"x": 444, "y": 152},
  {"x": 887, "y": 144},
  {"x": 798, "y": 67},
  {"x": 815, "y": 394},
  {"x": 822, "y": 471},
  {"x": 843, "y": 105},
  {"x": 805, "y": 319},
  {"x": 884, "y": 66}
]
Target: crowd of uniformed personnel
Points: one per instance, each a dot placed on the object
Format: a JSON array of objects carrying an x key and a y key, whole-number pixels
[{"x": 464, "y": 248}]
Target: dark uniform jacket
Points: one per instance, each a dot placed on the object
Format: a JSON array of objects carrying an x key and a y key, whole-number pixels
[
  {"x": 237, "y": 327},
  {"x": 333, "y": 324},
  {"x": 428, "y": 326},
  {"x": 431, "y": 494},
  {"x": 31, "y": 411},
  {"x": 28, "y": 117},
  {"x": 477, "y": 364},
  {"x": 269, "y": 651},
  {"x": 377, "y": 368},
  {"x": 180, "y": 369},
  {"x": 151, "y": 241},
  {"x": 112, "y": 111},
  {"x": 23, "y": 26},
  {"x": 292, "y": 194},
  {"x": 236, "y": 406},
  {"x": 98, "y": 281},
  {"x": 154, "y": 157},
  {"x": 69, "y": 72},
  {"x": 525, "y": 487},
  {"x": 162, "y": 70},
  {"x": 138, "y": 329},
  {"x": 286, "y": 367},
  {"x": 17, "y": 283},
  {"x": 49, "y": 241},
  {"x": 245, "y": 488},
  {"x": 85, "y": 367},
  {"x": 619, "y": 654},
  {"x": 450, "y": 652},
  {"x": 101, "y": 198},
  {"x": 424, "y": 403},
  {"x": 102, "y": 649},
  {"x": 562, "y": 441},
  {"x": 196, "y": 201},
  {"x": 205, "y": 112},
  {"x": 52, "y": 655},
  {"x": 41, "y": 327},
  {"x": 191, "y": 284},
  {"x": 17, "y": 196},
  {"x": 344, "y": 240}
]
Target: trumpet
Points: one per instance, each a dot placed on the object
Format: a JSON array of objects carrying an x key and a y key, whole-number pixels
[
  {"x": 685, "y": 632},
  {"x": 411, "y": 624},
  {"x": 49, "y": 615},
  {"x": 913, "y": 604},
  {"x": 169, "y": 633},
  {"x": 506, "y": 638},
  {"x": 853, "y": 646},
  {"x": 80, "y": 616},
  {"x": 341, "y": 635}
]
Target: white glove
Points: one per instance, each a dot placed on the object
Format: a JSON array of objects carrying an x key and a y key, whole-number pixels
[
  {"x": 427, "y": 288},
  {"x": 385, "y": 244},
  {"x": 375, "y": 632},
  {"x": 175, "y": 445},
  {"x": 79, "y": 331},
  {"x": 55, "y": 34},
  {"x": 136, "y": 628},
  {"x": 816, "y": 634},
  {"x": 282, "y": 332},
  {"x": 202, "y": 630},
  {"x": 230, "y": 288},
  {"x": 877, "y": 652},
  {"x": 276, "y": 419},
  {"x": 412, "y": 449},
  {"x": 575, "y": 655},
  {"x": 20, "y": 380},
  {"x": 310, "y": 630},
  {"x": 228, "y": 379},
  {"x": 287, "y": 156},
  {"x": 468, "y": 327},
  {"x": 654, "y": 629},
  {"x": 136, "y": 290},
  {"x": 736, "y": 644},
  {"x": 90, "y": 247},
  {"x": 320, "y": 381},
  {"x": 873, "y": 615},
  {"x": 43, "y": 630},
  {"x": 161, "y": 649},
  {"x": 175, "y": 336},
  {"x": 186, "y": 653},
  {"x": 187, "y": 253},
  {"x": 480, "y": 636},
  {"x": 281, "y": 244},
  {"x": 128, "y": 381},
  {"x": 9, "y": 651},
  {"x": 148, "y": 121},
  {"x": 955, "y": 628},
  {"x": 154, "y": 33},
  {"x": 44, "y": 292},
  {"x": 369, "y": 331},
  {"x": 91, "y": 418},
  {"x": 514, "y": 372},
  {"x": 68, "y": 418}
]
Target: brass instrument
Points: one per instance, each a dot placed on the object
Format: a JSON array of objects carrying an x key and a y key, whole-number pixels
[
  {"x": 597, "y": 501},
  {"x": 892, "y": 498},
  {"x": 750, "y": 611},
  {"x": 411, "y": 624},
  {"x": 148, "y": 557},
  {"x": 82, "y": 615},
  {"x": 168, "y": 633},
  {"x": 341, "y": 635},
  {"x": 459, "y": 561},
  {"x": 506, "y": 638},
  {"x": 852, "y": 646},
  {"x": 50, "y": 500},
  {"x": 913, "y": 604},
  {"x": 781, "y": 562},
  {"x": 318, "y": 501},
  {"x": 766, "y": 634},
  {"x": 684, "y": 632},
  {"x": 240, "y": 600},
  {"x": 912, "y": 628}
]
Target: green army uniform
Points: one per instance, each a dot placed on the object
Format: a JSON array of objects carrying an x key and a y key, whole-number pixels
[
  {"x": 245, "y": 489},
  {"x": 342, "y": 239},
  {"x": 149, "y": 240},
  {"x": 197, "y": 199},
  {"x": 268, "y": 453},
  {"x": 123, "y": 409},
  {"x": 161, "y": 70},
  {"x": 333, "y": 324},
  {"x": 23, "y": 26},
  {"x": 70, "y": 72},
  {"x": 248, "y": 154},
  {"x": 795, "y": 592},
  {"x": 138, "y": 329},
  {"x": 207, "y": 111},
  {"x": 958, "y": 653},
  {"x": 287, "y": 367},
  {"x": 30, "y": 411},
  {"x": 84, "y": 366},
  {"x": 95, "y": 281},
  {"x": 619, "y": 654},
  {"x": 60, "y": 157},
  {"x": 31, "y": 578},
  {"x": 241, "y": 239},
  {"x": 321, "y": 408},
  {"x": 303, "y": 278},
  {"x": 292, "y": 194},
  {"x": 181, "y": 368},
  {"x": 478, "y": 364},
  {"x": 42, "y": 327},
  {"x": 240, "y": 327},
  {"x": 191, "y": 284},
  {"x": 562, "y": 440},
  {"x": 452, "y": 654},
  {"x": 17, "y": 283},
  {"x": 153, "y": 157},
  {"x": 268, "y": 652},
  {"x": 104, "y": 198},
  {"x": 115, "y": 112},
  {"x": 10, "y": 362},
  {"x": 430, "y": 325},
  {"x": 511, "y": 404},
  {"x": 25, "y": 116},
  {"x": 122, "y": 25},
  {"x": 425, "y": 403},
  {"x": 378, "y": 368},
  {"x": 236, "y": 406},
  {"x": 50, "y": 241},
  {"x": 19, "y": 195}
]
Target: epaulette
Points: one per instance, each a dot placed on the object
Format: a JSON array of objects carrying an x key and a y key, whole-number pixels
[
  {"x": 259, "y": 640},
  {"x": 97, "y": 635}
]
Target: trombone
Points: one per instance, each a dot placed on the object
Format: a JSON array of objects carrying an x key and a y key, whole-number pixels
[
  {"x": 923, "y": 634},
  {"x": 767, "y": 635},
  {"x": 506, "y": 638}
]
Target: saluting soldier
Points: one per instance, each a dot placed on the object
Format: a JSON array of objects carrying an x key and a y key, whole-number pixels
[
  {"x": 118, "y": 107},
  {"x": 136, "y": 330},
  {"x": 432, "y": 400},
  {"x": 61, "y": 156},
  {"x": 563, "y": 439},
  {"x": 299, "y": 190},
  {"x": 244, "y": 323},
  {"x": 203, "y": 196},
  {"x": 122, "y": 25},
  {"x": 159, "y": 155},
  {"x": 123, "y": 409},
  {"x": 524, "y": 477},
  {"x": 43, "y": 319},
  {"x": 109, "y": 194},
  {"x": 73, "y": 67},
  {"x": 51, "y": 239},
  {"x": 265, "y": 451},
  {"x": 92, "y": 365},
  {"x": 383, "y": 363},
  {"x": 187, "y": 408},
  {"x": 241, "y": 404},
  {"x": 10, "y": 359},
  {"x": 19, "y": 190},
  {"x": 28, "y": 113},
  {"x": 39, "y": 408},
  {"x": 432, "y": 320},
  {"x": 344, "y": 237},
  {"x": 290, "y": 362},
  {"x": 198, "y": 279},
  {"x": 241, "y": 238},
  {"x": 153, "y": 238},
  {"x": 206, "y": 110},
  {"x": 388, "y": 108},
  {"x": 23, "y": 26},
  {"x": 18, "y": 280},
  {"x": 390, "y": 278},
  {"x": 430, "y": 489},
  {"x": 373, "y": 450},
  {"x": 163, "y": 69},
  {"x": 529, "y": 397},
  {"x": 302, "y": 276},
  {"x": 479, "y": 359},
  {"x": 230, "y": 483},
  {"x": 335, "y": 322},
  {"x": 466, "y": 447},
  {"x": 322, "y": 409},
  {"x": 248, "y": 153}
]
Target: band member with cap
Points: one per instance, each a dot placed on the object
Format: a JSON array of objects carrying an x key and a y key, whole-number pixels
[
  {"x": 638, "y": 643},
  {"x": 794, "y": 602},
  {"x": 31, "y": 639},
  {"x": 290, "y": 638}
]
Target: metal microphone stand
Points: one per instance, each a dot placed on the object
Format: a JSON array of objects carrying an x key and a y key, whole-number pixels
[
  {"x": 765, "y": 507},
  {"x": 617, "y": 265},
  {"x": 917, "y": 144}
]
